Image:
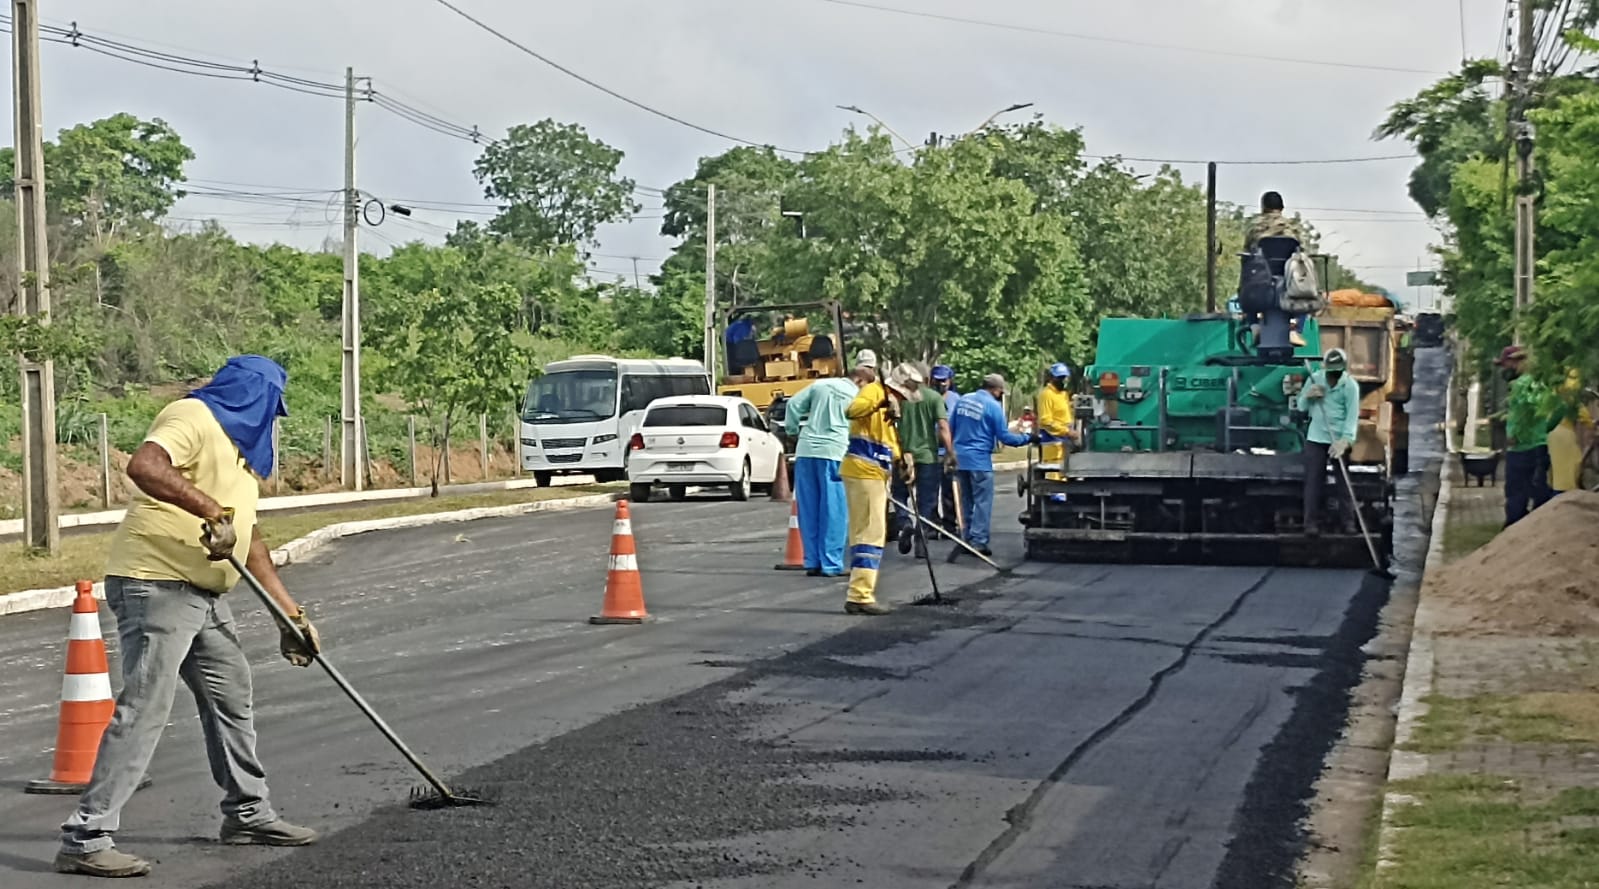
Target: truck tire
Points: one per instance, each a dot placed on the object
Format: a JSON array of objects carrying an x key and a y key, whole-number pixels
[{"x": 543, "y": 479}]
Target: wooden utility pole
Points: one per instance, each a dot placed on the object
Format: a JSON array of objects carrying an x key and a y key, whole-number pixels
[
  {"x": 1526, "y": 255},
  {"x": 352, "y": 474},
  {"x": 40, "y": 504},
  {"x": 710, "y": 280},
  {"x": 1210, "y": 237}
]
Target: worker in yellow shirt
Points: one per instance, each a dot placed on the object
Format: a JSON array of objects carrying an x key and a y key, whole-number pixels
[
  {"x": 1566, "y": 439},
  {"x": 1055, "y": 417},
  {"x": 871, "y": 460}
]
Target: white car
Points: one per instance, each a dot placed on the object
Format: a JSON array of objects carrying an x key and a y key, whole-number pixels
[{"x": 702, "y": 440}]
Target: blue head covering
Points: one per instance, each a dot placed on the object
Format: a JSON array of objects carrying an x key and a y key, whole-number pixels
[{"x": 246, "y": 396}]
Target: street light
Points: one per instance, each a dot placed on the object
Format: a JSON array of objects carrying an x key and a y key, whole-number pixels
[
  {"x": 856, "y": 109},
  {"x": 1017, "y": 107}
]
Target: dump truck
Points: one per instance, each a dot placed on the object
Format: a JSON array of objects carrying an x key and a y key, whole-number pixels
[
  {"x": 1192, "y": 452},
  {"x": 1369, "y": 328}
]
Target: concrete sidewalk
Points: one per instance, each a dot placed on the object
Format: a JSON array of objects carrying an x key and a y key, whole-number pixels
[{"x": 1496, "y": 756}]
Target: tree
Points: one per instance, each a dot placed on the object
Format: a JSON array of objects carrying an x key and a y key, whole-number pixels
[
  {"x": 451, "y": 346},
  {"x": 103, "y": 177},
  {"x": 555, "y": 184}
]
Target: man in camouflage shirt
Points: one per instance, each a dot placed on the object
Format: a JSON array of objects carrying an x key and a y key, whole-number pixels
[{"x": 1271, "y": 223}]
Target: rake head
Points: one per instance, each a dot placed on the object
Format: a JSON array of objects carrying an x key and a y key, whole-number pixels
[{"x": 426, "y": 796}]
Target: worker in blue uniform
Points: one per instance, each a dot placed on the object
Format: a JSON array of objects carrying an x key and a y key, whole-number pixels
[{"x": 979, "y": 429}]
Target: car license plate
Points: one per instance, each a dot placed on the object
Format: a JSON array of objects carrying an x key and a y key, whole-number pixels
[{"x": 679, "y": 467}]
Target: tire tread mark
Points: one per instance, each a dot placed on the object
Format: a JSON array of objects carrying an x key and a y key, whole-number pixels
[{"x": 1020, "y": 816}]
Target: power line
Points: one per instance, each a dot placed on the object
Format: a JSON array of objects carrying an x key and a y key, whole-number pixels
[
  {"x": 1125, "y": 41},
  {"x": 603, "y": 88},
  {"x": 161, "y": 60}
]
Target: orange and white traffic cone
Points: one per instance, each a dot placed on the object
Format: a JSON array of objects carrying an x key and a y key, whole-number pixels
[
  {"x": 794, "y": 550},
  {"x": 624, "y": 590},
  {"x": 781, "y": 491},
  {"x": 86, "y": 702}
]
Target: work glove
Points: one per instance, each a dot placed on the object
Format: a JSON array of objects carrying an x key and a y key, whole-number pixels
[
  {"x": 1315, "y": 390},
  {"x": 218, "y": 536},
  {"x": 1035, "y": 437},
  {"x": 950, "y": 463},
  {"x": 1339, "y": 448},
  {"x": 293, "y": 651}
]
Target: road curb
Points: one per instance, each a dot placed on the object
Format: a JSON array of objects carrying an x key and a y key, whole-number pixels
[
  {"x": 298, "y": 550},
  {"x": 12, "y": 527},
  {"x": 1406, "y": 764}
]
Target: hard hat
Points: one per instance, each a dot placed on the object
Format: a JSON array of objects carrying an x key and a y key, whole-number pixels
[
  {"x": 943, "y": 372},
  {"x": 1335, "y": 359},
  {"x": 1060, "y": 370},
  {"x": 866, "y": 358}
]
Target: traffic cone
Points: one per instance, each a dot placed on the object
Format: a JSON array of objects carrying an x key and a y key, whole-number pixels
[
  {"x": 780, "y": 488},
  {"x": 794, "y": 550},
  {"x": 86, "y": 702},
  {"x": 624, "y": 592}
]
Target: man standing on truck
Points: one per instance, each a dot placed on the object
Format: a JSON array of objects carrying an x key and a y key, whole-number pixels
[
  {"x": 166, "y": 580},
  {"x": 925, "y": 440},
  {"x": 1271, "y": 222},
  {"x": 1055, "y": 418},
  {"x": 873, "y": 457},
  {"x": 815, "y": 417},
  {"x": 979, "y": 429},
  {"x": 1332, "y": 398},
  {"x": 1527, "y": 424}
]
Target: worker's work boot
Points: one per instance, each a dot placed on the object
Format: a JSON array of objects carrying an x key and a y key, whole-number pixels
[
  {"x": 104, "y": 863},
  {"x": 870, "y": 608},
  {"x": 906, "y": 534},
  {"x": 273, "y": 833}
]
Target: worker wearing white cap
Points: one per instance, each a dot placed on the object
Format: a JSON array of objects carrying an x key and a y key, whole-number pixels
[{"x": 872, "y": 458}]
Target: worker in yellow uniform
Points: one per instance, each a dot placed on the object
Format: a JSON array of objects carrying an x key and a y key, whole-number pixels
[
  {"x": 1055, "y": 418},
  {"x": 1573, "y": 424},
  {"x": 871, "y": 460}
]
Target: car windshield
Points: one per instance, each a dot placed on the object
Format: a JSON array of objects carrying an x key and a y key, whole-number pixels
[
  {"x": 571, "y": 396},
  {"x": 686, "y": 415}
]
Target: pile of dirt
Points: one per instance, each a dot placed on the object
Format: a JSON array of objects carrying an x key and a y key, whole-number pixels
[{"x": 1539, "y": 577}]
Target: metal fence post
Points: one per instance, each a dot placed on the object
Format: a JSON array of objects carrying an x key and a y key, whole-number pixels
[
  {"x": 410, "y": 423},
  {"x": 483, "y": 442},
  {"x": 105, "y": 464}
]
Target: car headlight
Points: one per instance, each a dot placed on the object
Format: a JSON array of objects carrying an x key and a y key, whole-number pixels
[
  {"x": 530, "y": 442},
  {"x": 602, "y": 439}
]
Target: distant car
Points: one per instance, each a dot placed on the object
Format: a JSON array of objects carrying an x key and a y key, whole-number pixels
[{"x": 702, "y": 440}]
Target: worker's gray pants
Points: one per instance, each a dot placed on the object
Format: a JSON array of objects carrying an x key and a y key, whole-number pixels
[{"x": 171, "y": 630}]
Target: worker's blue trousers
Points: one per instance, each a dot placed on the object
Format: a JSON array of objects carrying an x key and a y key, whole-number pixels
[
  {"x": 977, "y": 501},
  {"x": 823, "y": 513}
]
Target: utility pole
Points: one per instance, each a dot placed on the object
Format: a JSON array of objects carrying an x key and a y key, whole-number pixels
[
  {"x": 710, "y": 280},
  {"x": 1526, "y": 255},
  {"x": 1210, "y": 237},
  {"x": 352, "y": 472},
  {"x": 637, "y": 285},
  {"x": 40, "y": 504}
]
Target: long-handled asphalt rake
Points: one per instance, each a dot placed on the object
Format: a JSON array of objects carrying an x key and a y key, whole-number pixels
[
  {"x": 437, "y": 794},
  {"x": 924, "y": 522}
]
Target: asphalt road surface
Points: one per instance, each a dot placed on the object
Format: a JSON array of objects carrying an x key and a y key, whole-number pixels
[{"x": 1062, "y": 726}]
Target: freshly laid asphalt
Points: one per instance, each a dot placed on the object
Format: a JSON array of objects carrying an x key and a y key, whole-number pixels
[{"x": 1060, "y": 726}]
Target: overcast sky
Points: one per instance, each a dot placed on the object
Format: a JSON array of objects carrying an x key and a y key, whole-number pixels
[{"x": 772, "y": 71}]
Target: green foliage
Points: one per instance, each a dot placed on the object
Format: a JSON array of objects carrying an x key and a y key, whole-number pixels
[
  {"x": 556, "y": 185},
  {"x": 105, "y": 177},
  {"x": 1465, "y": 179},
  {"x": 452, "y": 344}
]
